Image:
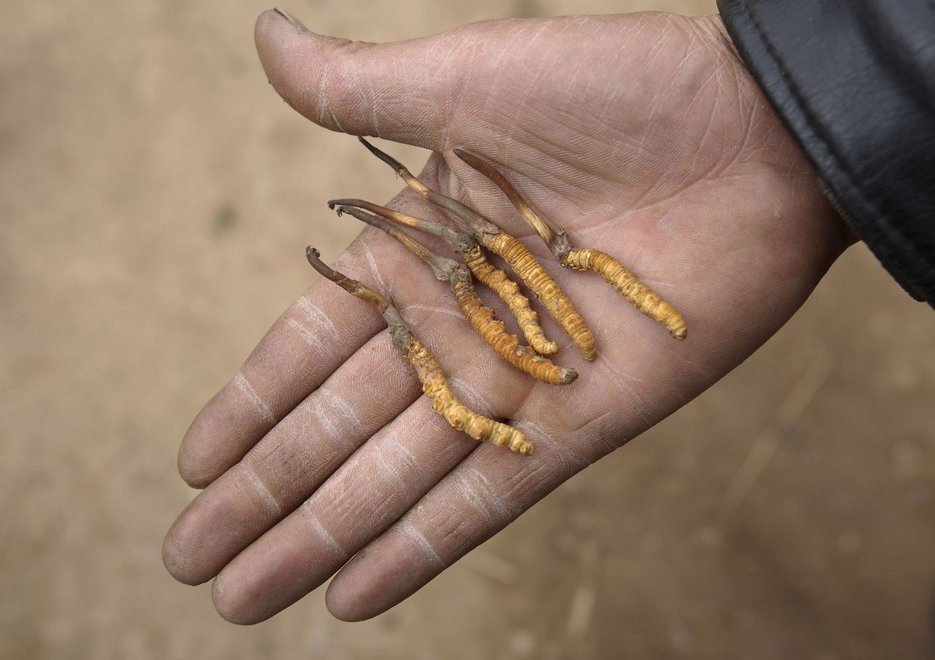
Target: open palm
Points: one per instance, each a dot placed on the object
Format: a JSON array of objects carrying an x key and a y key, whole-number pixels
[{"x": 644, "y": 137}]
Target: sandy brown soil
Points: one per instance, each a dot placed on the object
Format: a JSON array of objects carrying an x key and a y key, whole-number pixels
[{"x": 155, "y": 199}]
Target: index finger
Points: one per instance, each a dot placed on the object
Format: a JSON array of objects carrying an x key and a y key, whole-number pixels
[{"x": 301, "y": 350}]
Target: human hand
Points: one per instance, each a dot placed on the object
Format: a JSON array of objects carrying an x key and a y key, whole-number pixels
[{"x": 642, "y": 135}]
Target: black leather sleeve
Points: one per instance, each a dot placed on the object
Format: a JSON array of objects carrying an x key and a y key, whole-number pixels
[{"x": 854, "y": 81}]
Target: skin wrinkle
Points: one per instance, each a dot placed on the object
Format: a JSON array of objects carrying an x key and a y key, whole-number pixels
[
  {"x": 600, "y": 425},
  {"x": 258, "y": 405},
  {"x": 456, "y": 86},
  {"x": 403, "y": 526},
  {"x": 365, "y": 84},
  {"x": 455, "y": 532},
  {"x": 431, "y": 309},
  {"x": 384, "y": 461},
  {"x": 340, "y": 407},
  {"x": 659, "y": 41},
  {"x": 704, "y": 374},
  {"x": 317, "y": 320},
  {"x": 460, "y": 538},
  {"x": 425, "y": 321},
  {"x": 569, "y": 190},
  {"x": 319, "y": 529},
  {"x": 406, "y": 529},
  {"x": 566, "y": 454},
  {"x": 621, "y": 219},
  {"x": 324, "y": 421},
  {"x": 307, "y": 64},
  {"x": 310, "y": 338},
  {"x": 619, "y": 84},
  {"x": 273, "y": 507},
  {"x": 430, "y": 414},
  {"x": 324, "y": 100},
  {"x": 374, "y": 268},
  {"x": 318, "y": 417},
  {"x": 412, "y": 463},
  {"x": 662, "y": 183},
  {"x": 439, "y": 51},
  {"x": 748, "y": 127},
  {"x": 525, "y": 485},
  {"x": 479, "y": 491},
  {"x": 477, "y": 402},
  {"x": 541, "y": 67},
  {"x": 606, "y": 227},
  {"x": 495, "y": 66},
  {"x": 719, "y": 165},
  {"x": 584, "y": 137},
  {"x": 623, "y": 383},
  {"x": 326, "y": 415}
]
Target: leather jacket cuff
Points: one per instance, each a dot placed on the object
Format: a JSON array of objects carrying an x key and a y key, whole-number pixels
[{"x": 854, "y": 82}]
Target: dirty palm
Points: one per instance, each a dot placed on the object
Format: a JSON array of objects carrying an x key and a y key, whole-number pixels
[{"x": 645, "y": 138}]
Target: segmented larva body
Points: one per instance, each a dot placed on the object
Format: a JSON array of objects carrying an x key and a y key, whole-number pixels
[
  {"x": 546, "y": 289},
  {"x": 507, "y": 346},
  {"x": 509, "y": 292},
  {"x": 629, "y": 287},
  {"x": 461, "y": 418}
]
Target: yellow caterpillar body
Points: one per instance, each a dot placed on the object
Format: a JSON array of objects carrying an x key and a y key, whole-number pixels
[
  {"x": 546, "y": 289},
  {"x": 506, "y": 345},
  {"x": 461, "y": 418},
  {"x": 629, "y": 287},
  {"x": 509, "y": 292}
]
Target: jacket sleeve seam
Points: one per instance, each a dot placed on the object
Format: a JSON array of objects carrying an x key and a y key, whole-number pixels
[{"x": 806, "y": 110}]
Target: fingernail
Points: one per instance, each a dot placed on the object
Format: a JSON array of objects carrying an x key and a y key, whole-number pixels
[{"x": 292, "y": 19}]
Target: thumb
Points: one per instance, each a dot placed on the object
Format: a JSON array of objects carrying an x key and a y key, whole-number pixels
[{"x": 398, "y": 91}]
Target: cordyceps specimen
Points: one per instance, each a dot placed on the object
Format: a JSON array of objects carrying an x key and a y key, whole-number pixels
[
  {"x": 482, "y": 318},
  {"x": 626, "y": 284},
  {"x": 513, "y": 252},
  {"x": 430, "y": 374},
  {"x": 467, "y": 246}
]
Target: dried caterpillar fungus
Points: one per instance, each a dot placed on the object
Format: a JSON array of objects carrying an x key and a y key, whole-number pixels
[
  {"x": 629, "y": 287},
  {"x": 434, "y": 384},
  {"x": 462, "y": 418},
  {"x": 546, "y": 290},
  {"x": 505, "y": 344},
  {"x": 520, "y": 260},
  {"x": 481, "y": 318},
  {"x": 489, "y": 275},
  {"x": 637, "y": 293},
  {"x": 508, "y": 291}
]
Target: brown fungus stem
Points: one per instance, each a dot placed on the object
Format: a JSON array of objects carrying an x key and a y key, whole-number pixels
[
  {"x": 482, "y": 318},
  {"x": 434, "y": 384},
  {"x": 520, "y": 259},
  {"x": 625, "y": 282},
  {"x": 469, "y": 249}
]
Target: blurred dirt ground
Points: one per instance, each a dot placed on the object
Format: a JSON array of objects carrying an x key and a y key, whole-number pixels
[{"x": 155, "y": 200}]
